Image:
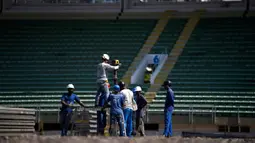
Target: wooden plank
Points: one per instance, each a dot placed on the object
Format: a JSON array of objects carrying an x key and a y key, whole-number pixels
[
  {"x": 16, "y": 130},
  {"x": 16, "y": 123},
  {"x": 16, "y": 134},
  {"x": 17, "y": 127},
  {"x": 7, "y": 111},
  {"x": 17, "y": 117}
]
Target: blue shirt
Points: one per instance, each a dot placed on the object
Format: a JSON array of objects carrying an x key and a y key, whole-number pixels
[
  {"x": 69, "y": 100},
  {"x": 117, "y": 102},
  {"x": 169, "y": 103}
]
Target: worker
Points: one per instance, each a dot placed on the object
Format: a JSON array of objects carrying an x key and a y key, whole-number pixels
[
  {"x": 169, "y": 107},
  {"x": 102, "y": 91},
  {"x": 67, "y": 101},
  {"x": 147, "y": 75},
  {"x": 116, "y": 113},
  {"x": 129, "y": 106},
  {"x": 140, "y": 113}
]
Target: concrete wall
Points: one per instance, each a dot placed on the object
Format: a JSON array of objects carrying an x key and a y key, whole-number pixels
[{"x": 129, "y": 6}]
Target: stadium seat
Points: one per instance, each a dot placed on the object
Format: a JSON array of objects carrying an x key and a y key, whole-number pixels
[
  {"x": 47, "y": 55},
  {"x": 216, "y": 69}
]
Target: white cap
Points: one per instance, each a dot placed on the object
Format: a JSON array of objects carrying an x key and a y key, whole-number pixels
[
  {"x": 70, "y": 86},
  {"x": 105, "y": 56},
  {"x": 138, "y": 88},
  {"x": 148, "y": 69}
]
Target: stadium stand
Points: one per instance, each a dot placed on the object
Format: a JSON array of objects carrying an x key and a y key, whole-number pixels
[
  {"x": 215, "y": 71},
  {"x": 40, "y": 58},
  {"x": 168, "y": 37}
]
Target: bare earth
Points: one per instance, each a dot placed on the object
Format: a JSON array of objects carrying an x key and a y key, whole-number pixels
[{"x": 151, "y": 139}]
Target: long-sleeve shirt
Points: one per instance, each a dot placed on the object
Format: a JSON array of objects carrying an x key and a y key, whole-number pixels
[
  {"x": 169, "y": 103},
  {"x": 141, "y": 103},
  {"x": 102, "y": 69}
]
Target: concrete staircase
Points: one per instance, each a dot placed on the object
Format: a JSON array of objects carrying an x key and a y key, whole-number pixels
[
  {"x": 150, "y": 42},
  {"x": 174, "y": 54}
]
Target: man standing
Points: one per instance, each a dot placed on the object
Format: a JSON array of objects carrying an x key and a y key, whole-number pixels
[
  {"x": 116, "y": 113},
  {"x": 67, "y": 101},
  {"x": 140, "y": 113},
  {"x": 169, "y": 107},
  {"x": 129, "y": 104},
  {"x": 102, "y": 90}
]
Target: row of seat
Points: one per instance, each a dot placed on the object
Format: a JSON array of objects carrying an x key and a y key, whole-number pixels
[
  {"x": 169, "y": 36},
  {"x": 215, "y": 69},
  {"x": 66, "y": 48}
]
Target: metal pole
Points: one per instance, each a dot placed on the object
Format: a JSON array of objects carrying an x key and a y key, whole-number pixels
[
  {"x": 189, "y": 115},
  {"x": 192, "y": 120},
  {"x": 238, "y": 120},
  {"x": 75, "y": 114},
  {"x": 39, "y": 117}
]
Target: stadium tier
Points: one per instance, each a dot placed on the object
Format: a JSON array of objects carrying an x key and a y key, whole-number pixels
[
  {"x": 215, "y": 72},
  {"x": 169, "y": 36},
  {"x": 47, "y": 55}
]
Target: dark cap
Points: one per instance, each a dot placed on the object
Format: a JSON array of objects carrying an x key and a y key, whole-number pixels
[
  {"x": 167, "y": 82},
  {"x": 121, "y": 84}
]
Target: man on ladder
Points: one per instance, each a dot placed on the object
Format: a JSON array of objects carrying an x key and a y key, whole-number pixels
[{"x": 103, "y": 90}]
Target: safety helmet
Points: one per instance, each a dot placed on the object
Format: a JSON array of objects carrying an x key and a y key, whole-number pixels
[
  {"x": 116, "y": 88},
  {"x": 167, "y": 82},
  {"x": 121, "y": 84},
  {"x": 70, "y": 86},
  {"x": 138, "y": 88},
  {"x": 106, "y": 57}
]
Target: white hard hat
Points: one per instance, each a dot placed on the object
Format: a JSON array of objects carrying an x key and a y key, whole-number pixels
[
  {"x": 148, "y": 69},
  {"x": 70, "y": 86},
  {"x": 138, "y": 88},
  {"x": 105, "y": 56}
]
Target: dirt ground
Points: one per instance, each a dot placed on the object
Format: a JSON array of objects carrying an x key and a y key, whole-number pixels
[{"x": 154, "y": 139}]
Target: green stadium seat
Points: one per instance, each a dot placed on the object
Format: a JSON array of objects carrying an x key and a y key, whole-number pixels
[
  {"x": 46, "y": 56},
  {"x": 216, "y": 69}
]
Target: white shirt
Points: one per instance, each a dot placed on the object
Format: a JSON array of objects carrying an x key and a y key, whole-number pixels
[
  {"x": 128, "y": 98},
  {"x": 101, "y": 71}
]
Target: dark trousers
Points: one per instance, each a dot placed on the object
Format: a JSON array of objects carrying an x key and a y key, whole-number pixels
[
  {"x": 140, "y": 125},
  {"x": 65, "y": 118},
  {"x": 101, "y": 122}
]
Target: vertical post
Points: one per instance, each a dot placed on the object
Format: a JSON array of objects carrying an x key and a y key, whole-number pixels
[
  {"x": 147, "y": 115},
  {"x": 58, "y": 117},
  {"x": 1, "y": 6},
  {"x": 39, "y": 118},
  {"x": 192, "y": 120},
  {"x": 72, "y": 121},
  {"x": 7, "y": 4},
  {"x": 238, "y": 120}
]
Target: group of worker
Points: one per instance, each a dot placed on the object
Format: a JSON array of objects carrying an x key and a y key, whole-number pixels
[{"x": 123, "y": 103}]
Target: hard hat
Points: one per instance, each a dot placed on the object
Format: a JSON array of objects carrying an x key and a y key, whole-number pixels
[
  {"x": 70, "y": 86},
  {"x": 121, "y": 84},
  {"x": 106, "y": 57},
  {"x": 167, "y": 82},
  {"x": 116, "y": 88},
  {"x": 138, "y": 88},
  {"x": 148, "y": 69}
]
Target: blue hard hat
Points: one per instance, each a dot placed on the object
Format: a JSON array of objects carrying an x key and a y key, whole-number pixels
[{"x": 116, "y": 88}]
